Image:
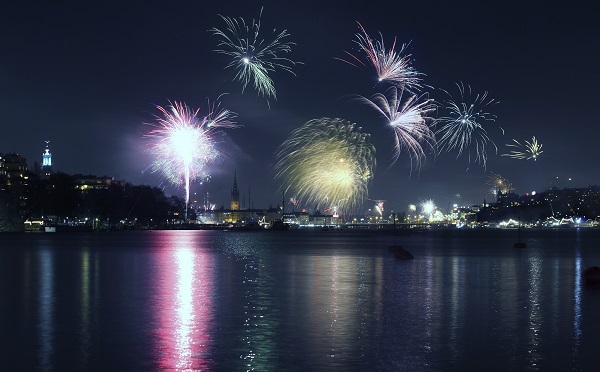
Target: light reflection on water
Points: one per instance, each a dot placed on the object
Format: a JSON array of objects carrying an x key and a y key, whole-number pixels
[
  {"x": 534, "y": 307},
  {"x": 577, "y": 294},
  {"x": 85, "y": 341},
  {"x": 213, "y": 300},
  {"x": 46, "y": 308},
  {"x": 577, "y": 303},
  {"x": 184, "y": 303}
]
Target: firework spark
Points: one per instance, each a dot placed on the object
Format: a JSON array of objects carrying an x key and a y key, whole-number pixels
[
  {"x": 391, "y": 65},
  {"x": 462, "y": 128},
  {"x": 499, "y": 184},
  {"x": 253, "y": 56},
  {"x": 183, "y": 143},
  {"x": 531, "y": 150},
  {"x": 408, "y": 119},
  {"x": 327, "y": 162}
]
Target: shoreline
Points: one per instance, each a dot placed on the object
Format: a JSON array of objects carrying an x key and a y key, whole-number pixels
[{"x": 336, "y": 228}]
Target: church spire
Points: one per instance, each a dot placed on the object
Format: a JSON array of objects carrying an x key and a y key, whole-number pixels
[
  {"x": 235, "y": 188},
  {"x": 235, "y": 195}
]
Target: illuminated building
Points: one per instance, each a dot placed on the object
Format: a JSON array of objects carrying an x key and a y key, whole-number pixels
[
  {"x": 15, "y": 178},
  {"x": 47, "y": 161},
  {"x": 14, "y": 165}
]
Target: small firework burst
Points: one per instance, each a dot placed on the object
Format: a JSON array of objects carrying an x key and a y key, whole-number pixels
[
  {"x": 499, "y": 184},
  {"x": 531, "y": 150},
  {"x": 408, "y": 119},
  {"x": 391, "y": 65},
  {"x": 252, "y": 55},
  {"x": 461, "y": 128}
]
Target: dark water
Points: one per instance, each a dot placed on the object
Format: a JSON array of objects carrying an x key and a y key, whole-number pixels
[{"x": 298, "y": 300}]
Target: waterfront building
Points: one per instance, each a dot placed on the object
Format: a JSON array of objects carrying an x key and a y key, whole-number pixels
[
  {"x": 298, "y": 218},
  {"x": 233, "y": 214},
  {"x": 319, "y": 219}
]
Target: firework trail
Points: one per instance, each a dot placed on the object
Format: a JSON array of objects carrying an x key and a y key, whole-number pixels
[
  {"x": 408, "y": 119},
  {"x": 183, "y": 143},
  {"x": 391, "y": 65},
  {"x": 253, "y": 56},
  {"x": 531, "y": 150},
  {"x": 499, "y": 184},
  {"x": 462, "y": 128},
  {"x": 327, "y": 162}
]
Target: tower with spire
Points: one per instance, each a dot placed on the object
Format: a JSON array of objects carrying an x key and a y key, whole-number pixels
[
  {"x": 47, "y": 161},
  {"x": 235, "y": 195}
]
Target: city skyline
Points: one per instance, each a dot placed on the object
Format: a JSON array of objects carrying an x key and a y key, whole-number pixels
[
  {"x": 88, "y": 77},
  {"x": 498, "y": 187}
]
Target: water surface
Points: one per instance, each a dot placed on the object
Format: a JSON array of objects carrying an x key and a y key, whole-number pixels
[{"x": 298, "y": 300}]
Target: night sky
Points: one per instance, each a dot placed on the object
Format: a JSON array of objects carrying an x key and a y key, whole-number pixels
[{"x": 87, "y": 77}]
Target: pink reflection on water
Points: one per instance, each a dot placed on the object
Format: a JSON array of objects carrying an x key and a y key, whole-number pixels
[{"x": 183, "y": 301}]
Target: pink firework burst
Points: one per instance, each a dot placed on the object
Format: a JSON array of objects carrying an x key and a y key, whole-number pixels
[
  {"x": 183, "y": 142},
  {"x": 408, "y": 119},
  {"x": 391, "y": 65}
]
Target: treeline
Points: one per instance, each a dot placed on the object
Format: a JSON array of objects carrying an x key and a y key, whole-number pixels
[{"x": 62, "y": 199}]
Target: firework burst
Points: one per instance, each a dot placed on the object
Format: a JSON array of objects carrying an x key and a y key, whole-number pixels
[
  {"x": 531, "y": 150},
  {"x": 328, "y": 163},
  {"x": 391, "y": 65},
  {"x": 499, "y": 184},
  {"x": 428, "y": 208},
  {"x": 379, "y": 206},
  {"x": 408, "y": 119},
  {"x": 462, "y": 128},
  {"x": 184, "y": 143},
  {"x": 253, "y": 56}
]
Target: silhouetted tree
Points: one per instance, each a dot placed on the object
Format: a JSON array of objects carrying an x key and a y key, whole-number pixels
[{"x": 61, "y": 198}]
